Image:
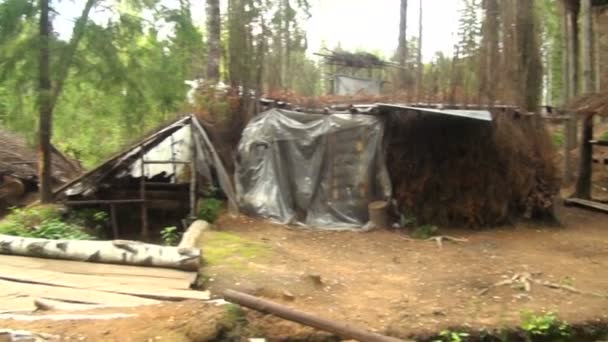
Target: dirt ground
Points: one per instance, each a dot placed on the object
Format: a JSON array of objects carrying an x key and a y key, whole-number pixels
[
  {"x": 378, "y": 280},
  {"x": 384, "y": 282}
]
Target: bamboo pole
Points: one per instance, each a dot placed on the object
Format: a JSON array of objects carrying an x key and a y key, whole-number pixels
[{"x": 344, "y": 330}]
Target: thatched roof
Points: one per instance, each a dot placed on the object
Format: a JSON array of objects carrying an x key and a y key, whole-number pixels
[
  {"x": 19, "y": 160},
  {"x": 593, "y": 103}
]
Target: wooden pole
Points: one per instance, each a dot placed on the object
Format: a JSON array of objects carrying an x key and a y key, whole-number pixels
[
  {"x": 145, "y": 234},
  {"x": 341, "y": 329},
  {"x": 583, "y": 183},
  {"x": 114, "y": 221},
  {"x": 193, "y": 197}
]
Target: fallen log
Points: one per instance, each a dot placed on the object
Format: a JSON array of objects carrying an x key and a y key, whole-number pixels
[
  {"x": 112, "y": 252},
  {"x": 341, "y": 329},
  {"x": 192, "y": 236}
]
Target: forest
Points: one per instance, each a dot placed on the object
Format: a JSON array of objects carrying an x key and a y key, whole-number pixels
[{"x": 114, "y": 78}]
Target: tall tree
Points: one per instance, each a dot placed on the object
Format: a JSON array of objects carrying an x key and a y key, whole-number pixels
[
  {"x": 213, "y": 40},
  {"x": 490, "y": 54},
  {"x": 402, "y": 47},
  {"x": 48, "y": 94},
  {"x": 45, "y": 107},
  {"x": 583, "y": 184},
  {"x": 420, "y": 66}
]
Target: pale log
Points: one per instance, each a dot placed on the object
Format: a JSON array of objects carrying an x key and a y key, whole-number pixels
[{"x": 121, "y": 252}]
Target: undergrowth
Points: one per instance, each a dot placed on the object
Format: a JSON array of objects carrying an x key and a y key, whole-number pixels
[
  {"x": 41, "y": 222},
  {"x": 545, "y": 327},
  {"x": 209, "y": 209}
]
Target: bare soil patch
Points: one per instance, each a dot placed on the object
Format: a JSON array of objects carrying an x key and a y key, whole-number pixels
[{"x": 378, "y": 280}]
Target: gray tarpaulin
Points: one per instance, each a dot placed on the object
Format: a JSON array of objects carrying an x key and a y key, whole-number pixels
[
  {"x": 312, "y": 169},
  {"x": 347, "y": 85}
]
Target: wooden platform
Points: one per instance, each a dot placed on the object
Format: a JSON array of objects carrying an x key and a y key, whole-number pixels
[
  {"x": 22, "y": 279},
  {"x": 587, "y": 204}
]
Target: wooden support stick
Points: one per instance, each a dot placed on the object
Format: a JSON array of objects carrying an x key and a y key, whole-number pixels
[
  {"x": 344, "y": 330},
  {"x": 114, "y": 221},
  {"x": 145, "y": 235}
]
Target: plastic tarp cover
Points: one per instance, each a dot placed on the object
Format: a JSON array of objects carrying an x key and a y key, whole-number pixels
[
  {"x": 312, "y": 169},
  {"x": 346, "y": 85}
]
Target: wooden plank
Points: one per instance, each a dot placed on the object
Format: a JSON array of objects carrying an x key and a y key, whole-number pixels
[
  {"x": 20, "y": 296},
  {"x": 134, "y": 286},
  {"x": 95, "y": 202},
  {"x": 587, "y": 204},
  {"x": 152, "y": 274}
]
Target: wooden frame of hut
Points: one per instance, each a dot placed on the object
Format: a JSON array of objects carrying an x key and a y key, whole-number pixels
[{"x": 164, "y": 171}]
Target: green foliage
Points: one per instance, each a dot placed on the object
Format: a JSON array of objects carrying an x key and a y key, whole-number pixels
[
  {"x": 558, "y": 139},
  {"x": 209, "y": 209},
  {"x": 170, "y": 236},
  {"x": 452, "y": 336},
  {"x": 546, "y": 326},
  {"x": 41, "y": 222},
  {"x": 424, "y": 232},
  {"x": 604, "y": 136}
]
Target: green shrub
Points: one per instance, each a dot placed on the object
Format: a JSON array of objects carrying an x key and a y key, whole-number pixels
[
  {"x": 452, "y": 336},
  {"x": 545, "y": 327},
  {"x": 170, "y": 236},
  {"x": 209, "y": 209},
  {"x": 55, "y": 230},
  {"x": 41, "y": 222},
  {"x": 558, "y": 139},
  {"x": 604, "y": 136}
]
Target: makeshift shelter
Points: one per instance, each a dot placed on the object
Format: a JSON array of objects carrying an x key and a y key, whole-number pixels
[
  {"x": 318, "y": 170},
  {"x": 19, "y": 169},
  {"x": 162, "y": 173},
  {"x": 442, "y": 166}
]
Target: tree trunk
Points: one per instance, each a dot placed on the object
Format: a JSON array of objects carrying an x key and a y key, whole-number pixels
[
  {"x": 530, "y": 63},
  {"x": 419, "y": 61},
  {"x": 213, "y": 40},
  {"x": 583, "y": 184},
  {"x": 571, "y": 67},
  {"x": 44, "y": 106},
  {"x": 492, "y": 58},
  {"x": 587, "y": 46},
  {"x": 121, "y": 252},
  {"x": 402, "y": 47},
  {"x": 47, "y": 95}
]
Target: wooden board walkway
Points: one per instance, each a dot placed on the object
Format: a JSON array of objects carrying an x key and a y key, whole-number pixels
[
  {"x": 587, "y": 204},
  {"x": 22, "y": 279}
]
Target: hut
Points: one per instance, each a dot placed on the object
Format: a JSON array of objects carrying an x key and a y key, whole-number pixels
[
  {"x": 153, "y": 183},
  {"x": 442, "y": 166},
  {"x": 18, "y": 170}
]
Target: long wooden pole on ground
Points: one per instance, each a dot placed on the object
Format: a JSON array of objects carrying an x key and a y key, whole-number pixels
[{"x": 341, "y": 329}]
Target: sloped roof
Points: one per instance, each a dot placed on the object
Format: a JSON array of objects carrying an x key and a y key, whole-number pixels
[{"x": 20, "y": 160}]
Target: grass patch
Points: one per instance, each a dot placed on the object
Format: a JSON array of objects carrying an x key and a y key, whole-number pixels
[{"x": 223, "y": 248}]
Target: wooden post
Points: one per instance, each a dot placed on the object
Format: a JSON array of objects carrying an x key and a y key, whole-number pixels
[
  {"x": 114, "y": 222},
  {"x": 344, "y": 330},
  {"x": 583, "y": 183},
  {"x": 569, "y": 145},
  {"x": 145, "y": 234},
  {"x": 193, "y": 192}
]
